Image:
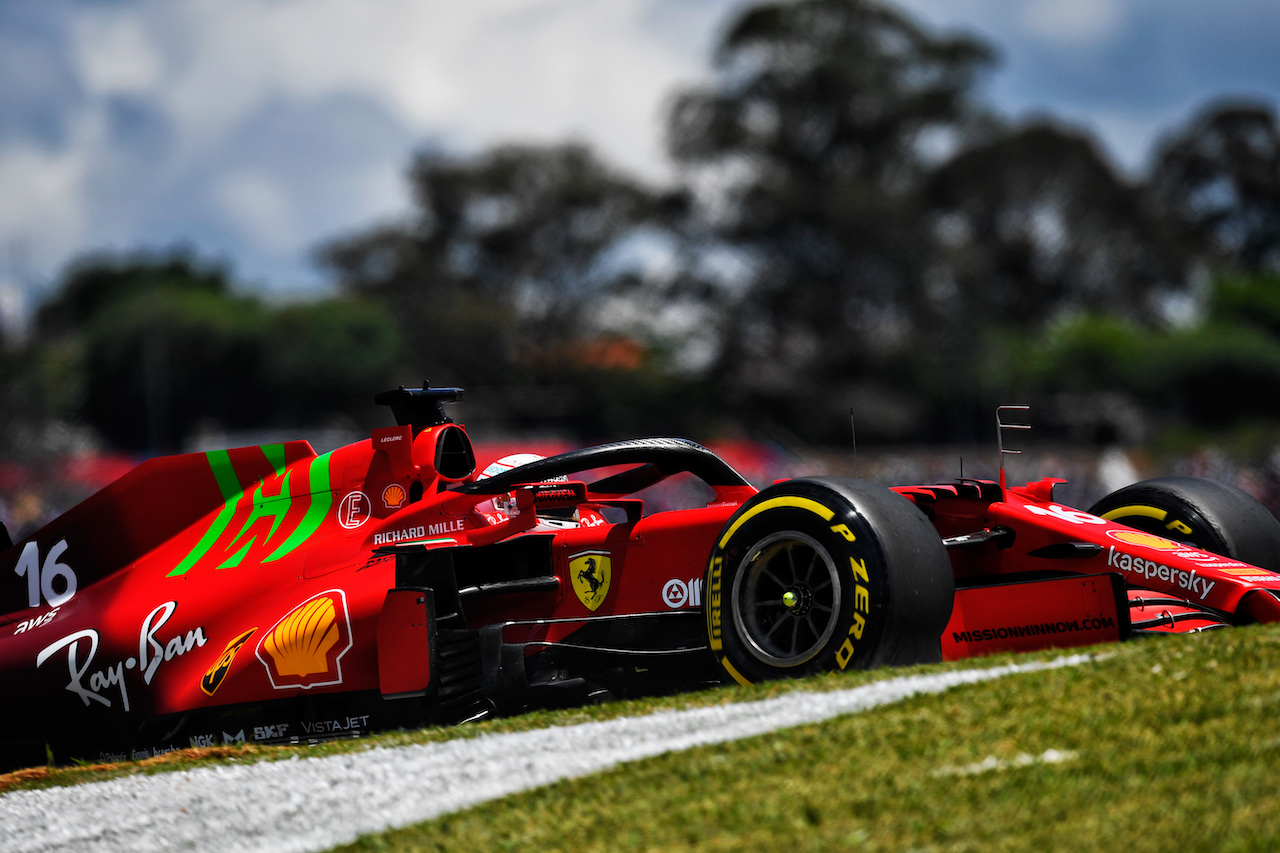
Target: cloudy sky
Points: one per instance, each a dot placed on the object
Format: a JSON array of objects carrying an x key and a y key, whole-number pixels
[{"x": 252, "y": 130}]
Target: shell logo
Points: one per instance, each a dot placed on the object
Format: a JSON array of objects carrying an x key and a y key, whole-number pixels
[
  {"x": 393, "y": 496},
  {"x": 1146, "y": 540},
  {"x": 305, "y": 648}
]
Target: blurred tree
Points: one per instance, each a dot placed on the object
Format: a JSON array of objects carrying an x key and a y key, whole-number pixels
[
  {"x": 825, "y": 120},
  {"x": 154, "y": 346},
  {"x": 1220, "y": 175},
  {"x": 1220, "y": 372},
  {"x": 39, "y": 384},
  {"x": 133, "y": 324},
  {"x": 95, "y": 282},
  {"x": 503, "y": 279},
  {"x": 501, "y": 261},
  {"x": 323, "y": 360},
  {"x": 1247, "y": 300},
  {"x": 1038, "y": 226},
  {"x": 157, "y": 363}
]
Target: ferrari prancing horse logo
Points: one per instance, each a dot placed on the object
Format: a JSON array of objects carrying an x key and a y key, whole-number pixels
[{"x": 590, "y": 574}]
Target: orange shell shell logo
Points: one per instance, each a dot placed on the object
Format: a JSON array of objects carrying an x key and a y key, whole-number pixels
[
  {"x": 1146, "y": 540},
  {"x": 393, "y": 496},
  {"x": 303, "y": 638},
  {"x": 304, "y": 648}
]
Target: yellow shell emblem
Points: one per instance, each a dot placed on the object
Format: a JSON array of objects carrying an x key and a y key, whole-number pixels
[
  {"x": 393, "y": 496},
  {"x": 590, "y": 573},
  {"x": 299, "y": 643},
  {"x": 1146, "y": 540},
  {"x": 304, "y": 648}
]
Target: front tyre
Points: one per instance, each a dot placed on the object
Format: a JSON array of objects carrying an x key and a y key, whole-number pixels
[
  {"x": 1204, "y": 513},
  {"x": 822, "y": 574}
]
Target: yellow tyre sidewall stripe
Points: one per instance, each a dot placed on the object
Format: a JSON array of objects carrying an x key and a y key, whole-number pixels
[
  {"x": 788, "y": 501},
  {"x": 1136, "y": 509},
  {"x": 737, "y": 676}
]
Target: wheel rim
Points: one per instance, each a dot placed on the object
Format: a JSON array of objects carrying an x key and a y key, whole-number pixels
[{"x": 786, "y": 599}]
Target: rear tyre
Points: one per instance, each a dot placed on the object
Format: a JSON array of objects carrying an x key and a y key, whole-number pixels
[
  {"x": 1205, "y": 513},
  {"x": 824, "y": 574}
]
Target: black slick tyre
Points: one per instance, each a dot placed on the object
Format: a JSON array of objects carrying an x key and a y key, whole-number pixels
[
  {"x": 826, "y": 573},
  {"x": 1205, "y": 513}
]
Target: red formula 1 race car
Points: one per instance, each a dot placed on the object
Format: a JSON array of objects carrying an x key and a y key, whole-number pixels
[{"x": 268, "y": 594}]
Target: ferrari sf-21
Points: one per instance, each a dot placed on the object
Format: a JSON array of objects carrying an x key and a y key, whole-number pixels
[{"x": 270, "y": 594}]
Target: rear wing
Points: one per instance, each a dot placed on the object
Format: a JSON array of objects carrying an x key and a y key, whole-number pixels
[{"x": 129, "y": 518}]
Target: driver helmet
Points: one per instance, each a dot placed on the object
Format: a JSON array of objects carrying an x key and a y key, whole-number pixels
[{"x": 506, "y": 503}]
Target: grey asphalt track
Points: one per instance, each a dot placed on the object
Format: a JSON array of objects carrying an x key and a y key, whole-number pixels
[{"x": 316, "y": 803}]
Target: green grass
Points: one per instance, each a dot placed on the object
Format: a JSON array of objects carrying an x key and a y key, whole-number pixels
[{"x": 1169, "y": 744}]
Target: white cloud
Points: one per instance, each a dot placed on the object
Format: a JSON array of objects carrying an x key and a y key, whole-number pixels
[
  {"x": 465, "y": 75},
  {"x": 204, "y": 72},
  {"x": 39, "y": 189},
  {"x": 480, "y": 72},
  {"x": 116, "y": 56},
  {"x": 42, "y": 206},
  {"x": 260, "y": 209},
  {"x": 1069, "y": 23},
  {"x": 1074, "y": 22}
]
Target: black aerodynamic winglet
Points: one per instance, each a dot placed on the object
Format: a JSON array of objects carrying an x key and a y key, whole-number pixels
[{"x": 419, "y": 407}]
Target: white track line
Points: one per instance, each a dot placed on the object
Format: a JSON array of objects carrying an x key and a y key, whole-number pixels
[{"x": 316, "y": 803}]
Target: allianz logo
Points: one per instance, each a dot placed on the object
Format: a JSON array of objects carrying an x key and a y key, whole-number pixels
[{"x": 678, "y": 593}]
